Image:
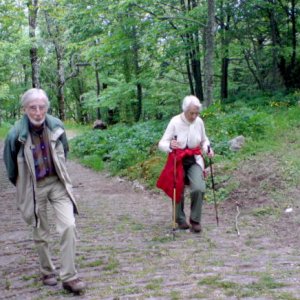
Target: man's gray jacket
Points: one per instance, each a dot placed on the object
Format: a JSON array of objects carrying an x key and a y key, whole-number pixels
[{"x": 19, "y": 163}]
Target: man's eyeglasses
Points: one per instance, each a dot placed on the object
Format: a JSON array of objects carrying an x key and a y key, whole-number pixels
[{"x": 35, "y": 108}]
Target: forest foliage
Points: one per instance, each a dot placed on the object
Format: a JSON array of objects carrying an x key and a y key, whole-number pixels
[
  {"x": 127, "y": 61},
  {"x": 131, "y": 150},
  {"x": 131, "y": 62}
]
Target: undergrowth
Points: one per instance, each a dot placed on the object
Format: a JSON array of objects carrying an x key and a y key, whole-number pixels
[
  {"x": 4, "y": 128},
  {"x": 132, "y": 150},
  {"x": 269, "y": 125}
]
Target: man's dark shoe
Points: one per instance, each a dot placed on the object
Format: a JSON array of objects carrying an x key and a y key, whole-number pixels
[
  {"x": 196, "y": 227},
  {"x": 183, "y": 226},
  {"x": 74, "y": 286},
  {"x": 49, "y": 279}
]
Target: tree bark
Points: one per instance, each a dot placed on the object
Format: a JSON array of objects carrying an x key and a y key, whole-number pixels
[
  {"x": 189, "y": 74},
  {"x": 209, "y": 54},
  {"x": 54, "y": 32},
  {"x": 33, "y": 52},
  {"x": 98, "y": 88},
  {"x": 60, "y": 81},
  {"x": 193, "y": 63},
  {"x": 224, "y": 78},
  {"x": 137, "y": 71},
  {"x": 196, "y": 66},
  {"x": 224, "y": 25},
  {"x": 275, "y": 37}
]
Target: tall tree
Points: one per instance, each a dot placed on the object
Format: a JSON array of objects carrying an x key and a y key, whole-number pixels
[
  {"x": 192, "y": 41},
  {"x": 290, "y": 66},
  {"x": 56, "y": 30},
  {"x": 33, "y": 7},
  {"x": 209, "y": 54},
  {"x": 223, "y": 20}
]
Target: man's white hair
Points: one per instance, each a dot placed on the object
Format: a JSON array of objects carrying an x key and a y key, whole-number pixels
[
  {"x": 33, "y": 94},
  {"x": 189, "y": 101}
]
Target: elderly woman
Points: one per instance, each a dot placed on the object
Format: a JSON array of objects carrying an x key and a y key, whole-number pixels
[{"x": 185, "y": 134}]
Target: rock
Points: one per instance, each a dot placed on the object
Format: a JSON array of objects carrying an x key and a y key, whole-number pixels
[
  {"x": 137, "y": 185},
  {"x": 237, "y": 143},
  {"x": 99, "y": 124}
]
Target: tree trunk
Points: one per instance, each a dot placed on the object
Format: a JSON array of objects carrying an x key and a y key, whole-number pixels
[
  {"x": 196, "y": 63},
  {"x": 97, "y": 90},
  {"x": 189, "y": 74},
  {"x": 292, "y": 72},
  {"x": 294, "y": 32},
  {"x": 224, "y": 25},
  {"x": 137, "y": 70},
  {"x": 60, "y": 80},
  {"x": 59, "y": 51},
  {"x": 275, "y": 36},
  {"x": 290, "y": 67},
  {"x": 224, "y": 78},
  {"x": 193, "y": 64},
  {"x": 54, "y": 32},
  {"x": 209, "y": 53},
  {"x": 25, "y": 75},
  {"x": 196, "y": 67},
  {"x": 78, "y": 90},
  {"x": 256, "y": 76},
  {"x": 33, "y": 52}
]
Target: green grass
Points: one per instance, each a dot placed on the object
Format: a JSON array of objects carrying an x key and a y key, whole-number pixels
[
  {"x": 93, "y": 264},
  {"x": 92, "y": 161},
  {"x": 266, "y": 211},
  {"x": 175, "y": 295},
  {"x": 29, "y": 277},
  {"x": 4, "y": 128},
  {"x": 112, "y": 265},
  {"x": 217, "y": 282},
  {"x": 79, "y": 128},
  {"x": 154, "y": 284},
  {"x": 132, "y": 150},
  {"x": 269, "y": 128},
  {"x": 263, "y": 286}
]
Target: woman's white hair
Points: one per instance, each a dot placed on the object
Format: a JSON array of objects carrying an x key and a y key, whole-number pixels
[
  {"x": 33, "y": 94},
  {"x": 189, "y": 101}
]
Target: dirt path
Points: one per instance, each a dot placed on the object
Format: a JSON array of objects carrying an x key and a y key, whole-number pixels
[{"x": 126, "y": 249}]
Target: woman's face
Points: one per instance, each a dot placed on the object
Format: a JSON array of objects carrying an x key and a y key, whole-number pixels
[
  {"x": 36, "y": 111},
  {"x": 192, "y": 113}
]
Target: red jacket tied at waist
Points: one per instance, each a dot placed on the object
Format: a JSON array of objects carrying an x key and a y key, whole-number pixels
[{"x": 169, "y": 181}]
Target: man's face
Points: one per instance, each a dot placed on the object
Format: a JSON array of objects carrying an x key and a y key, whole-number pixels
[
  {"x": 192, "y": 113},
  {"x": 36, "y": 111}
]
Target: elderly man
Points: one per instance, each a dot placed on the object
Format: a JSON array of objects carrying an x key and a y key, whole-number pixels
[{"x": 34, "y": 154}]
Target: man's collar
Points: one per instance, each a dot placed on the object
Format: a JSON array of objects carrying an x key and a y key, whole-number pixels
[{"x": 37, "y": 130}]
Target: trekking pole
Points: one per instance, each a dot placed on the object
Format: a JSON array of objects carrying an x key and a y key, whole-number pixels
[
  {"x": 236, "y": 218},
  {"x": 213, "y": 185},
  {"x": 174, "y": 193}
]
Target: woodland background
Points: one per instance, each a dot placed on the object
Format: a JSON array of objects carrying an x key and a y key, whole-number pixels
[
  {"x": 130, "y": 63},
  {"x": 130, "y": 60}
]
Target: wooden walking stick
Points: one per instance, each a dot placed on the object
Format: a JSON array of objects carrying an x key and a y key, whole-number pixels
[
  {"x": 213, "y": 186},
  {"x": 174, "y": 193}
]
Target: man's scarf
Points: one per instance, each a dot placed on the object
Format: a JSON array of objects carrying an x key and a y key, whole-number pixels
[{"x": 170, "y": 179}]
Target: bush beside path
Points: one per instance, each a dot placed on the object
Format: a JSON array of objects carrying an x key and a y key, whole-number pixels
[{"x": 126, "y": 248}]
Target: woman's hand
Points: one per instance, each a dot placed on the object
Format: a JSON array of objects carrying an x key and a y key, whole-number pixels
[
  {"x": 210, "y": 152},
  {"x": 174, "y": 144}
]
